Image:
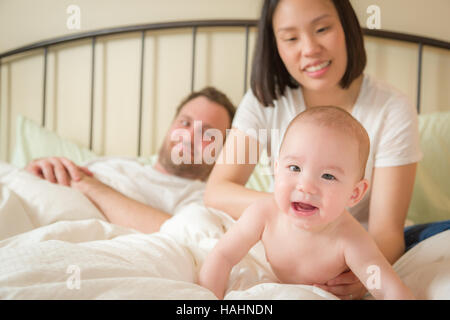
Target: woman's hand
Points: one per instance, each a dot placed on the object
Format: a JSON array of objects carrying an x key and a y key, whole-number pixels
[{"x": 345, "y": 286}]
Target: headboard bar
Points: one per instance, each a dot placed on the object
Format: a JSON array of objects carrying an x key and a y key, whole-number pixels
[
  {"x": 194, "y": 48},
  {"x": 405, "y": 37},
  {"x": 44, "y": 89},
  {"x": 419, "y": 76},
  {"x": 134, "y": 28},
  {"x": 247, "y": 34},
  {"x": 211, "y": 23},
  {"x": 91, "y": 120},
  {"x": 141, "y": 91}
]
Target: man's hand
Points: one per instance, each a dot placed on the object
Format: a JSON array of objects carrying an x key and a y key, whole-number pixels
[
  {"x": 57, "y": 170},
  {"x": 88, "y": 184}
]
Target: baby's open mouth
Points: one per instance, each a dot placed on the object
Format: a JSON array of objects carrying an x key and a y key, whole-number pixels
[{"x": 303, "y": 209}]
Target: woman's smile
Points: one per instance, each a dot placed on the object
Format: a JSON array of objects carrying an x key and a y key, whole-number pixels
[{"x": 318, "y": 70}]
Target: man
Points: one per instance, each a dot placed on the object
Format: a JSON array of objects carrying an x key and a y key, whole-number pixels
[{"x": 159, "y": 190}]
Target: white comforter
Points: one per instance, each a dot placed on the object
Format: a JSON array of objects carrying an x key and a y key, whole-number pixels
[{"x": 54, "y": 244}]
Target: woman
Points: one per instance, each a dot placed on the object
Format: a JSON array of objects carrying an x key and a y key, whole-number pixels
[{"x": 311, "y": 53}]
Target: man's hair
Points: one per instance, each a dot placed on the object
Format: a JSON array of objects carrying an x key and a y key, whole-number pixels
[
  {"x": 269, "y": 77},
  {"x": 341, "y": 120},
  {"x": 213, "y": 95}
]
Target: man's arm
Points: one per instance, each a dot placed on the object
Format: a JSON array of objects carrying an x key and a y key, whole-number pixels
[
  {"x": 116, "y": 207},
  {"x": 119, "y": 209}
]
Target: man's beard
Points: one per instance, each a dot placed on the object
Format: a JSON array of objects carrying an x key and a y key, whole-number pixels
[{"x": 188, "y": 171}]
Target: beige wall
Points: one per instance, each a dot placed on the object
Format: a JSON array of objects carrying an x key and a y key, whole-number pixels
[
  {"x": 167, "y": 68},
  {"x": 26, "y": 21},
  {"x": 427, "y": 18}
]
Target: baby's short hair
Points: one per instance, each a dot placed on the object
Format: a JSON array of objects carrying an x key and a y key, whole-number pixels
[{"x": 337, "y": 118}]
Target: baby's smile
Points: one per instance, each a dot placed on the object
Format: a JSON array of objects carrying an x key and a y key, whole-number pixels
[{"x": 304, "y": 209}]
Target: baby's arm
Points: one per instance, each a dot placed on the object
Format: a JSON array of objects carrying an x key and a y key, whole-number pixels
[
  {"x": 374, "y": 271},
  {"x": 231, "y": 248}
]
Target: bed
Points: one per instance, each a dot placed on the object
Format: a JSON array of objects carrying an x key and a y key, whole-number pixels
[{"x": 55, "y": 244}]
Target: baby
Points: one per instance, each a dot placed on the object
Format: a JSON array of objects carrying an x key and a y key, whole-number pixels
[{"x": 308, "y": 235}]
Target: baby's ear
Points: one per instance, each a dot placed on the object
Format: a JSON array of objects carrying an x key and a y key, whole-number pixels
[{"x": 358, "y": 193}]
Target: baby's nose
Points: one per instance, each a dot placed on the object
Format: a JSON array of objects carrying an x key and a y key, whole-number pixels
[{"x": 306, "y": 186}]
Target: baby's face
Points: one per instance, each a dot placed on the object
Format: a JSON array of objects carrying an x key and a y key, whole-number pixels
[{"x": 316, "y": 174}]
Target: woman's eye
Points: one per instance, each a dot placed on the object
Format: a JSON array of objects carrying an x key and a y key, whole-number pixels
[
  {"x": 328, "y": 176},
  {"x": 322, "y": 29},
  {"x": 290, "y": 39},
  {"x": 294, "y": 168},
  {"x": 185, "y": 123}
]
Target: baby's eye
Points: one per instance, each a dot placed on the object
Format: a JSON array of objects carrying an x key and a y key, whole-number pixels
[
  {"x": 328, "y": 176},
  {"x": 294, "y": 168}
]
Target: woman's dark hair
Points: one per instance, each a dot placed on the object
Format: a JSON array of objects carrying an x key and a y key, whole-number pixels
[{"x": 270, "y": 77}]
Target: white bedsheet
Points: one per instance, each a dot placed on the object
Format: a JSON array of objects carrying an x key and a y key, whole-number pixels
[{"x": 54, "y": 244}]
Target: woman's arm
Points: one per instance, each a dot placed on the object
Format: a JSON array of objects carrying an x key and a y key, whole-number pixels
[
  {"x": 392, "y": 189},
  {"x": 225, "y": 189},
  {"x": 119, "y": 209}
]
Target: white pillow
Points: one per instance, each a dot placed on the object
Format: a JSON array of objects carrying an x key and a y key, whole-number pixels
[{"x": 33, "y": 141}]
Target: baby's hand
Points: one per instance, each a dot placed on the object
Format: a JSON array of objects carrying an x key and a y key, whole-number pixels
[{"x": 345, "y": 286}]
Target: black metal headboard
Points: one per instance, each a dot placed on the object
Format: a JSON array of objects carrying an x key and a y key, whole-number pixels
[{"x": 194, "y": 25}]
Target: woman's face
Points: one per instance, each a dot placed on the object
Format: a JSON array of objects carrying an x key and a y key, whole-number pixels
[{"x": 311, "y": 42}]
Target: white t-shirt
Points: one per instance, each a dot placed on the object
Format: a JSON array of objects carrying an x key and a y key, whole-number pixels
[
  {"x": 387, "y": 115},
  {"x": 143, "y": 183}
]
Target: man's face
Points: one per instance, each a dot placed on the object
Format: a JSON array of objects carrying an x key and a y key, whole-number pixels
[{"x": 188, "y": 137}]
